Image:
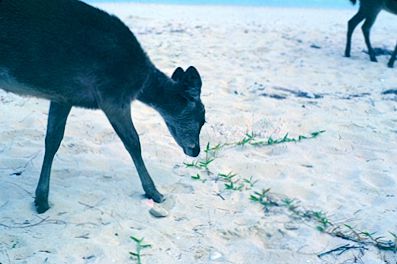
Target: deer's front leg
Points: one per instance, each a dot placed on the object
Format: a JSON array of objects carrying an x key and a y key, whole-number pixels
[{"x": 120, "y": 118}]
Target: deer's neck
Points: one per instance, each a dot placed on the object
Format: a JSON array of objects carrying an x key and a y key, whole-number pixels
[{"x": 158, "y": 91}]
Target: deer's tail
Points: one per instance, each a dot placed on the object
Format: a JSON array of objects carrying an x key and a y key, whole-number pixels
[{"x": 353, "y": 1}]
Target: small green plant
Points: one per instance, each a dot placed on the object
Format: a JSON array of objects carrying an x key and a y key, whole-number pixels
[
  {"x": 248, "y": 139},
  {"x": 193, "y": 164},
  {"x": 289, "y": 203},
  {"x": 199, "y": 164},
  {"x": 317, "y": 133},
  {"x": 234, "y": 186},
  {"x": 234, "y": 183},
  {"x": 227, "y": 177},
  {"x": 204, "y": 163},
  {"x": 250, "y": 182},
  {"x": 213, "y": 151},
  {"x": 369, "y": 235},
  {"x": 231, "y": 183},
  {"x": 286, "y": 139},
  {"x": 322, "y": 220},
  {"x": 264, "y": 199},
  {"x": 317, "y": 219},
  {"x": 196, "y": 177},
  {"x": 323, "y": 224},
  {"x": 137, "y": 255}
]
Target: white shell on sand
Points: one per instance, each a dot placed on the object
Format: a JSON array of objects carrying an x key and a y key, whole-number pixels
[
  {"x": 158, "y": 211},
  {"x": 162, "y": 209},
  {"x": 215, "y": 256}
]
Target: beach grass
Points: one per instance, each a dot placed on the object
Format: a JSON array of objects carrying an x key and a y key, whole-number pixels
[{"x": 139, "y": 247}]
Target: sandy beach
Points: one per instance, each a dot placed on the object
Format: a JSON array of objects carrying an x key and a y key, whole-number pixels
[{"x": 266, "y": 71}]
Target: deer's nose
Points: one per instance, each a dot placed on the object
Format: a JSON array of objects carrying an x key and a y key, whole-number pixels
[{"x": 192, "y": 150}]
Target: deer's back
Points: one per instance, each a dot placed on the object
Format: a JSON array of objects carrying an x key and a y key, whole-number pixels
[
  {"x": 65, "y": 50},
  {"x": 391, "y": 6}
]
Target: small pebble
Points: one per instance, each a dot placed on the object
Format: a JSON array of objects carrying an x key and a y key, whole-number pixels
[
  {"x": 158, "y": 211},
  {"x": 290, "y": 226},
  {"x": 215, "y": 255}
]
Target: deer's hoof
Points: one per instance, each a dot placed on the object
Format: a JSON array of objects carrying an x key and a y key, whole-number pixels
[
  {"x": 155, "y": 196},
  {"x": 41, "y": 206},
  {"x": 373, "y": 59}
]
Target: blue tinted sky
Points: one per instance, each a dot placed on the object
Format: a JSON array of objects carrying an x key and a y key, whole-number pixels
[{"x": 292, "y": 3}]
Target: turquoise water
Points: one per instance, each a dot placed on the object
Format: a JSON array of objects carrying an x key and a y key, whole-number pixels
[{"x": 280, "y": 3}]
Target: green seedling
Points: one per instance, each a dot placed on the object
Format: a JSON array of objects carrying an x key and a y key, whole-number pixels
[
  {"x": 212, "y": 151},
  {"x": 370, "y": 235},
  {"x": 300, "y": 137},
  {"x": 250, "y": 182},
  {"x": 353, "y": 231},
  {"x": 227, "y": 177},
  {"x": 317, "y": 133},
  {"x": 251, "y": 139},
  {"x": 196, "y": 177},
  {"x": 234, "y": 186},
  {"x": 230, "y": 182},
  {"x": 199, "y": 164},
  {"x": 264, "y": 199},
  {"x": 234, "y": 183},
  {"x": 248, "y": 138},
  {"x": 204, "y": 163},
  {"x": 137, "y": 255},
  {"x": 323, "y": 224},
  {"x": 193, "y": 164},
  {"x": 291, "y": 205},
  {"x": 322, "y": 220}
]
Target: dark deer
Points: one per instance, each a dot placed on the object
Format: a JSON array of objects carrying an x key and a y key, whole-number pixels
[
  {"x": 76, "y": 55},
  {"x": 368, "y": 11}
]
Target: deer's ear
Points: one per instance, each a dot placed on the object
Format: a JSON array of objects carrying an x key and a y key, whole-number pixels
[
  {"x": 192, "y": 83},
  {"x": 178, "y": 74}
]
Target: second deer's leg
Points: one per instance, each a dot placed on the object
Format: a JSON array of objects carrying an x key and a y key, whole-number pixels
[
  {"x": 393, "y": 58},
  {"x": 366, "y": 28},
  {"x": 351, "y": 25}
]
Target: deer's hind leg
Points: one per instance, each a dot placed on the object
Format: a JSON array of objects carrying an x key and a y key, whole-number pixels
[
  {"x": 393, "y": 58},
  {"x": 55, "y": 130},
  {"x": 366, "y": 28}
]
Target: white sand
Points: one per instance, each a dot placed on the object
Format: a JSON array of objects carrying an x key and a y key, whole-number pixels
[{"x": 348, "y": 172}]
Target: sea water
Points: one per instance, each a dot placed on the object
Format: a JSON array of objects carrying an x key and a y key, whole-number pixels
[{"x": 277, "y": 3}]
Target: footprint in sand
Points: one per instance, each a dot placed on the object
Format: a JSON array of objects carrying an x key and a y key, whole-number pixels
[
  {"x": 180, "y": 187},
  {"x": 379, "y": 180}
]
